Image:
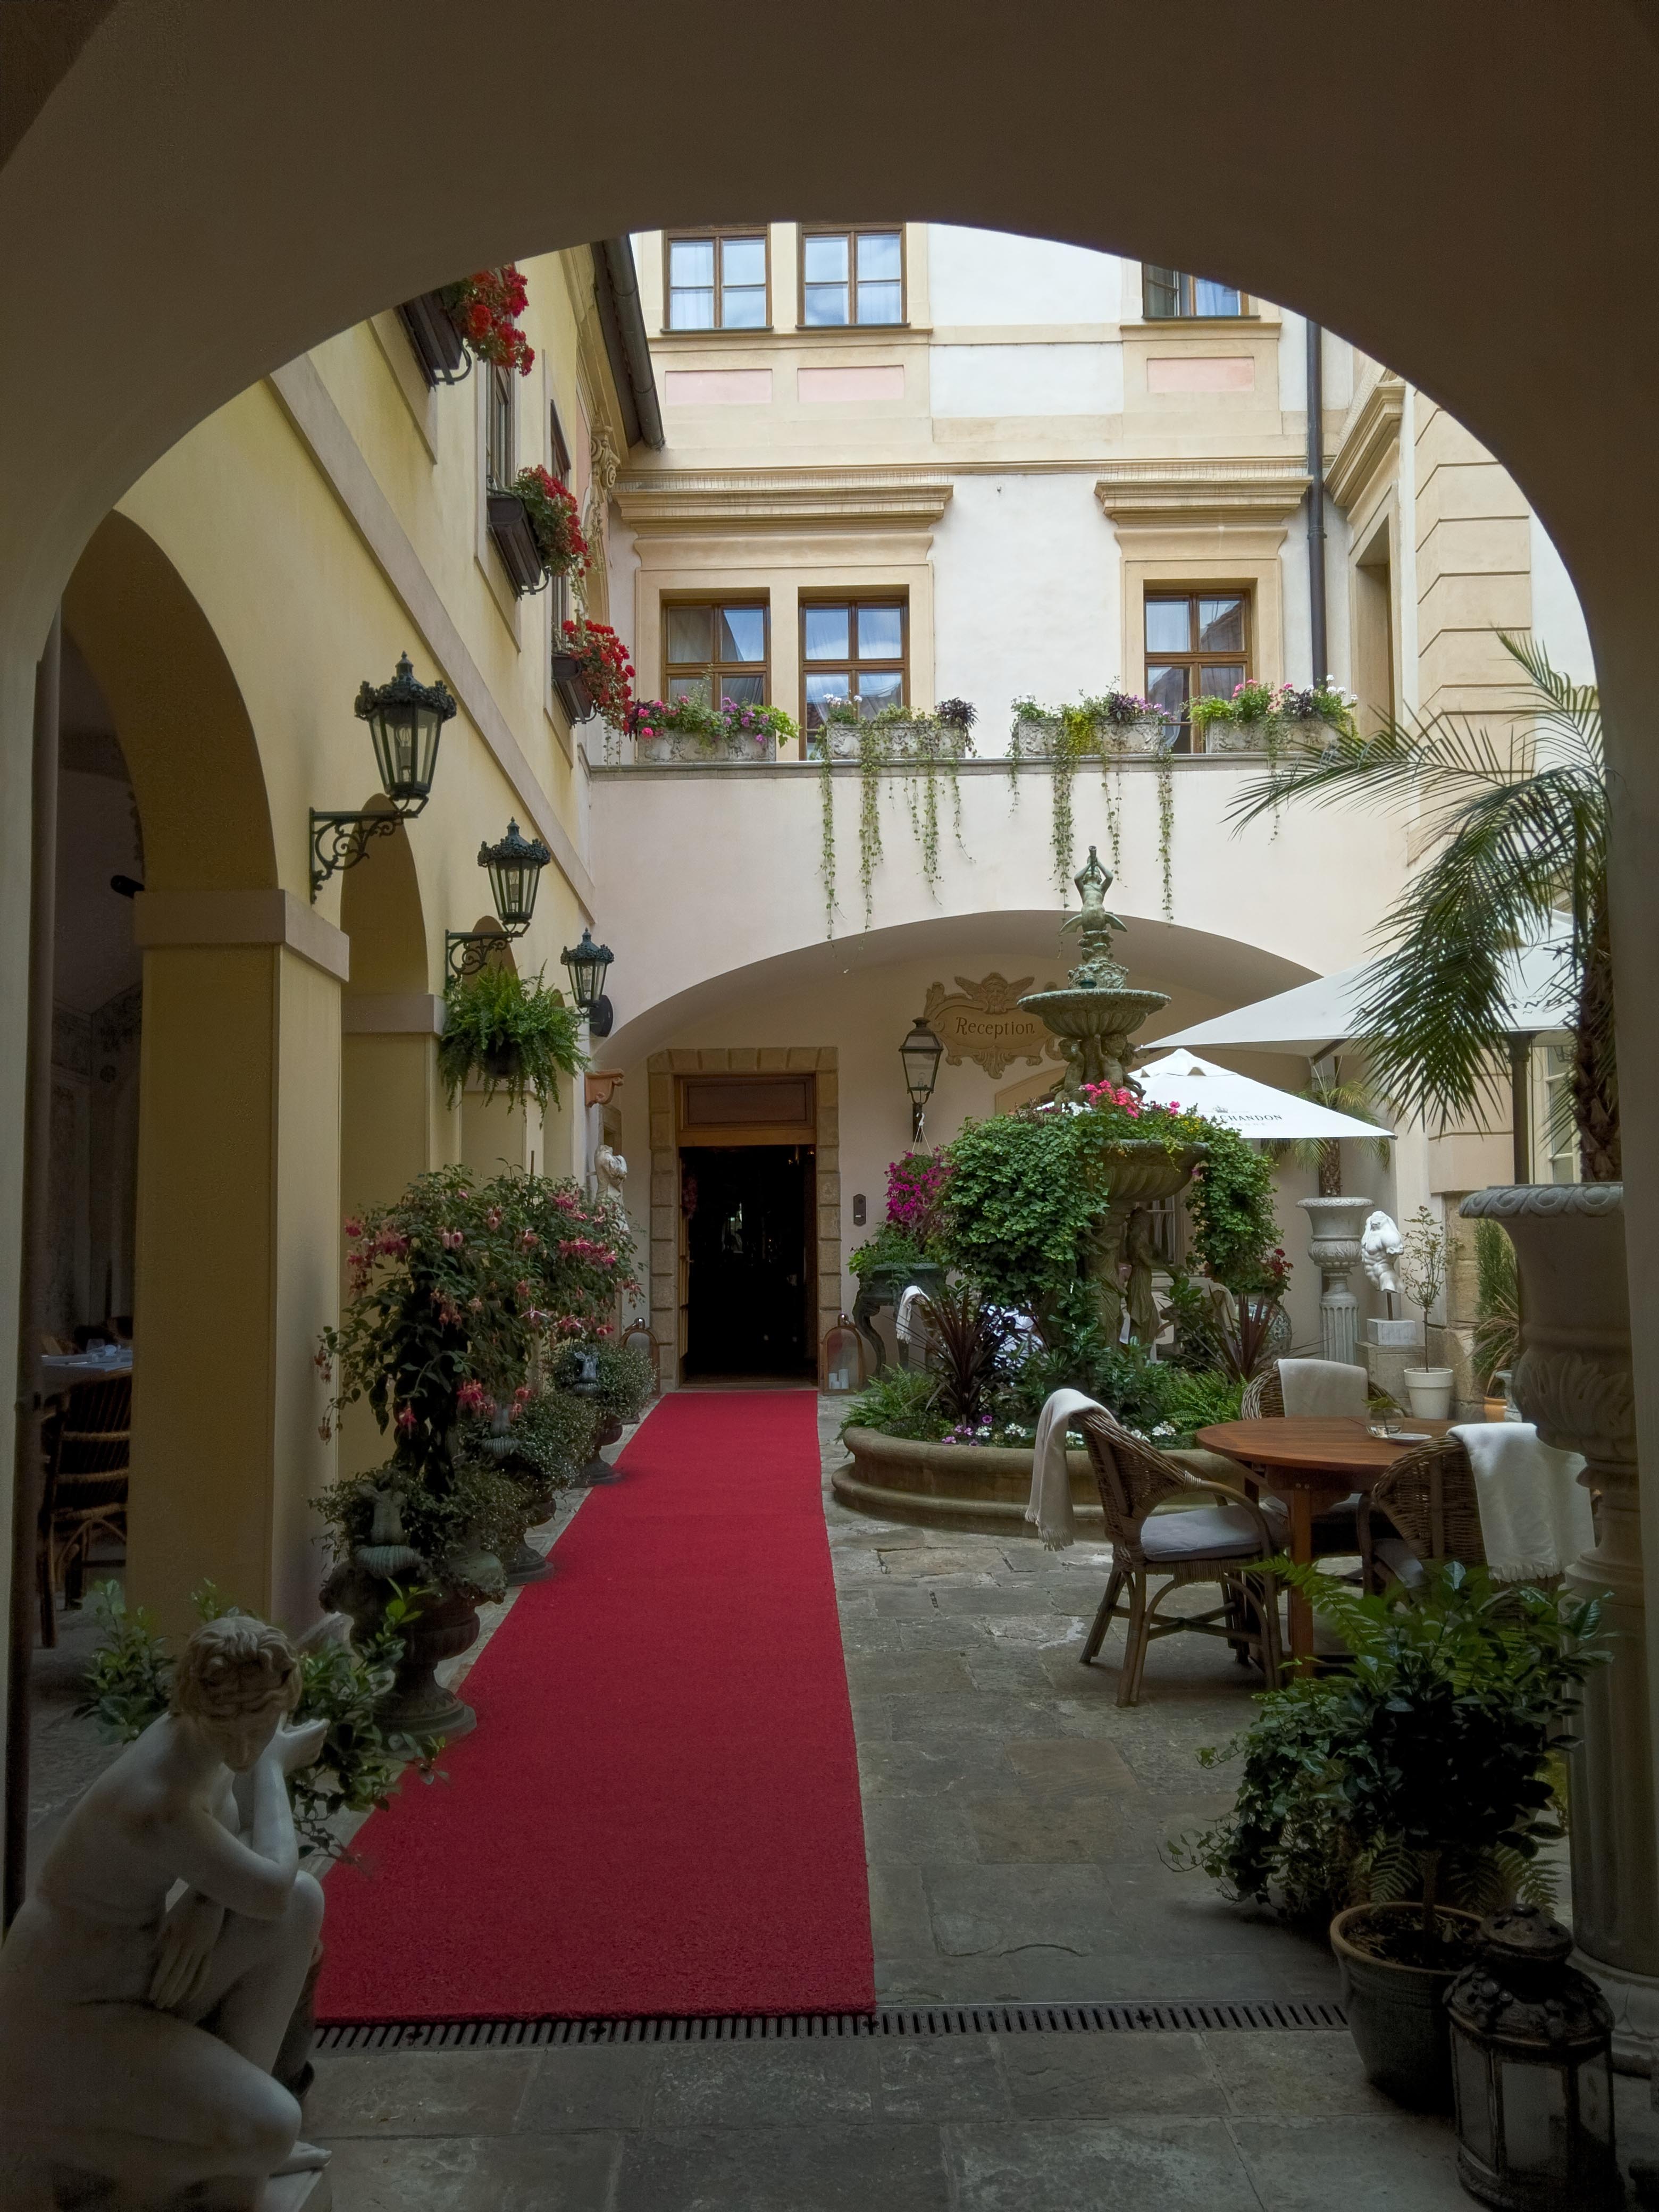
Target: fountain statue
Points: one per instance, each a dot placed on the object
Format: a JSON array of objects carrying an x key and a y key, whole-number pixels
[{"x": 1093, "y": 1019}]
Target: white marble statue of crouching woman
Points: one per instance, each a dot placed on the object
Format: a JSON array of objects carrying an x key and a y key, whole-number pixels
[{"x": 136, "y": 2041}]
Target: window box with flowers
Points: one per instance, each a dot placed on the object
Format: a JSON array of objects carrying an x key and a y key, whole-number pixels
[
  {"x": 592, "y": 674},
  {"x": 474, "y": 320},
  {"x": 691, "y": 730},
  {"x": 1258, "y": 717},
  {"x": 537, "y": 529}
]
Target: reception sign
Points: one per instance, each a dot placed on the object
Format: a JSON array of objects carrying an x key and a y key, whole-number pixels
[{"x": 984, "y": 1022}]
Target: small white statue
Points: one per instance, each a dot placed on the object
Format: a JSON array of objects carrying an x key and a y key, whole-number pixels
[
  {"x": 610, "y": 1172},
  {"x": 1380, "y": 1246},
  {"x": 137, "y": 2041}
]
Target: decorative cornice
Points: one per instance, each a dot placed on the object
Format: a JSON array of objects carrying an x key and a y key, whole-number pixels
[
  {"x": 1165, "y": 495},
  {"x": 1372, "y": 428},
  {"x": 672, "y": 500}
]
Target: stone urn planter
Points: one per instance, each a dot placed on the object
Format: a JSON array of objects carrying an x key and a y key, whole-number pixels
[
  {"x": 1397, "y": 2014},
  {"x": 1149, "y": 736},
  {"x": 1573, "y": 1380},
  {"x": 446, "y": 1626},
  {"x": 886, "y": 1287},
  {"x": 1336, "y": 1226}
]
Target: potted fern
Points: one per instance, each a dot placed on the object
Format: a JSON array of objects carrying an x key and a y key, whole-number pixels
[{"x": 516, "y": 1037}]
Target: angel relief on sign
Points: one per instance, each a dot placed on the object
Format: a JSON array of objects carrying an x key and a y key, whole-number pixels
[{"x": 986, "y": 1022}]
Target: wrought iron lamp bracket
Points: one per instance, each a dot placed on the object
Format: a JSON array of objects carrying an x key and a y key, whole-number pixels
[
  {"x": 339, "y": 841},
  {"x": 466, "y": 951}
]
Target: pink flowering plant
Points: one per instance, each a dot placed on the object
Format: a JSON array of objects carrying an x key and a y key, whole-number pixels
[{"x": 909, "y": 1236}]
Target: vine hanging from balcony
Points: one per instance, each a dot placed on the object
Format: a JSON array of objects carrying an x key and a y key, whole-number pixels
[
  {"x": 926, "y": 748},
  {"x": 1113, "y": 727}
]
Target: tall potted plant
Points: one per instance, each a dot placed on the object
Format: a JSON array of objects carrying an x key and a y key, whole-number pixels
[
  {"x": 1408, "y": 1794},
  {"x": 1421, "y": 1268},
  {"x": 1518, "y": 852}
]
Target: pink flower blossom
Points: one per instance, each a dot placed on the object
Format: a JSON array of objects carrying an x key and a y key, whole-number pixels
[
  {"x": 473, "y": 1396},
  {"x": 405, "y": 1420},
  {"x": 354, "y": 1228}
]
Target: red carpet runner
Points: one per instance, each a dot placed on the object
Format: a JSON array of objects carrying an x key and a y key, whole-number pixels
[{"x": 659, "y": 1811}]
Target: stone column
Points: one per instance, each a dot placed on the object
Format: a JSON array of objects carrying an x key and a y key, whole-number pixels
[
  {"x": 1574, "y": 1380},
  {"x": 1336, "y": 1225},
  {"x": 238, "y": 1249}
]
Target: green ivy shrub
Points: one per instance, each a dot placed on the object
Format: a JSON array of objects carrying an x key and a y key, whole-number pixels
[{"x": 1230, "y": 1205}]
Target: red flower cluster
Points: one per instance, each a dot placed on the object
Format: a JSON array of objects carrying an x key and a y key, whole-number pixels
[
  {"x": 606, "y": 670},
  {"x": 1107, "y": 1094},
  {"x": 584, "y": 1247},
  {"x": 555, "y": 517},
  {"x": 485, "y": 308}
]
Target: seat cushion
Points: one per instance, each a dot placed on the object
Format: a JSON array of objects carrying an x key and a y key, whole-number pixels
[
  {"x": 1200, "y": 1532},
  {"x": 1403, "y": 1563}
]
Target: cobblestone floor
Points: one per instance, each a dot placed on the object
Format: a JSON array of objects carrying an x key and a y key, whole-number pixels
[{"x": 1015, "y": 1819}]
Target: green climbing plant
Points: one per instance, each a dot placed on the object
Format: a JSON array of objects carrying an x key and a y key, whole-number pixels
[
  {"x": 1111, "y": 726},
  {"x": 927, "y": 749}
]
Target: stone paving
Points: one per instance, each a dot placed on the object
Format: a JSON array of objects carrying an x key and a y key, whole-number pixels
[{"x": 1015, "y": 1819}]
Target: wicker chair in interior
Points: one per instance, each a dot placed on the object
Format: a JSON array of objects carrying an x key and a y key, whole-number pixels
[
  {"x": 87, "y": 1449},
  {"x": 1224, "y": 1538},
  {"x": 1423, "y": 1508}
]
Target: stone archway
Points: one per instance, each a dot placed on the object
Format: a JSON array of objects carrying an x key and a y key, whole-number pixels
[{"x": 237, "y": 1171}]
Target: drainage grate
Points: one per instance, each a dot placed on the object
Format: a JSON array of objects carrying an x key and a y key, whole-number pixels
[{"x": 900, "y": 2020}]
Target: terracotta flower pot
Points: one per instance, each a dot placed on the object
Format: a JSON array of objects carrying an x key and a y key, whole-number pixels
[{"x": 1397, "y": 2014}]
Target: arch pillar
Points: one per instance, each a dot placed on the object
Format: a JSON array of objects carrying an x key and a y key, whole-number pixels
[{"x": 235, "y": 1265}]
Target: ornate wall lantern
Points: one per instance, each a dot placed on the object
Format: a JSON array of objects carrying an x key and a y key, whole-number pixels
[
  {"x": 920, "y": 1056},
  {"x": 515, "y": 865},
  {"x": 405, "y": 720},
  {"x": 1532, "y": 2069},
  {"x": 586, "y": 964}
]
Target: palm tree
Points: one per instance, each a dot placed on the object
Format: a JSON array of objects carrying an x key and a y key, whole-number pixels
[
  {"x": 1324, "y": 1154},
  {"x": 1519, "y": 829}
]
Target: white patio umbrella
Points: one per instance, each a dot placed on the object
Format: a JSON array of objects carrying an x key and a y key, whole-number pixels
[
  {"x": 1255, "y": 1109},
  {"x": 1315, "y": 1017}
]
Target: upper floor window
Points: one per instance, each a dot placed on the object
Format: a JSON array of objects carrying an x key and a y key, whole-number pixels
[
  {"x": 1167, "y": 294},
  {"x": 715, "y": 652},
  {"x": 1197, "y": 648},
  {"x": 852, "y": 649},
  {"x": 499, "y": 426},
  {"x": 852, "y": 277},
  {"x": 717, "y": 282}
]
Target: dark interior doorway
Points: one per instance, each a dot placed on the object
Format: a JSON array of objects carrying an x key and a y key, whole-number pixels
[{"x": 746, "y": 1209}]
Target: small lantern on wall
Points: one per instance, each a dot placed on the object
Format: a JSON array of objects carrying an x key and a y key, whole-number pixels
[
  {"x": 1531, "y": 2042},
  {"x": 586, "y": 965},
  {"x": 920, "y": 1056},
  {"x": 405, "y": 720},
  {"x": 515, "y": 864}
]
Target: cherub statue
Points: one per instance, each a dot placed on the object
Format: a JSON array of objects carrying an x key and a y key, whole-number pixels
[
  {"x": 1380, "y": 1245},
  {"x": 610, "y": 1171},
  {"x": 1145, "y": 1320},
  {"x": 136, "y": 2040}
]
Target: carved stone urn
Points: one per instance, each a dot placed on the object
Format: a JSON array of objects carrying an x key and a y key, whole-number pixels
[
  {"x": 1573, "y": 1380},
  {"x": 1336, "y": 1226}
]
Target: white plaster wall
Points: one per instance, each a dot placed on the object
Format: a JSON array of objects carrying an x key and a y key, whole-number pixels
[
  {"x": 1026, "y": 379},
  {"x": 1026, "y": 595},
  {"x": 996, "y": 277},
  {"x": 1557, "y": 620}
]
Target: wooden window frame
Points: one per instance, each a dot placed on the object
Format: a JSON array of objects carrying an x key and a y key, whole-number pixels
[
  {"x": 717, "y": 668},
  {"x": 899, "y": 598},
  {"x": 1186, "y": 312},
  {"x": 852, "y": 232},
  {"x": 1195, "y": 656},
  {"x": 499, "y": 405},
  {"x": 718, "y": 233},
  {"x": 559, "y": 444}
]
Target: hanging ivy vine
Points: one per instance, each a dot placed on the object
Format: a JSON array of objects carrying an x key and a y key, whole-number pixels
[
  {"x": 926, "y": 749},
  {"x": 1115, "y": 727}
]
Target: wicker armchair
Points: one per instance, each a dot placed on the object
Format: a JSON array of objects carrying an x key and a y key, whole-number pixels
[
  {"x": 1335, "y": 1533},
  {"x": 87, "y": 1446},
  {"x": 1224, "y": 1538},
  {"x": 1423, "y": 1508},
  {"x": 1264, "y": 1396}
]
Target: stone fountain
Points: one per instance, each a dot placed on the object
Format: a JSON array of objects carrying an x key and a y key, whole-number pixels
[{"x": 1093, "y": 1019}]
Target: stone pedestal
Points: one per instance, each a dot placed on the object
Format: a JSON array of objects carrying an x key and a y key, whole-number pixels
[
  {"x": 1573, "y": 1379},
  {"x": 1336, "y": 1225}
]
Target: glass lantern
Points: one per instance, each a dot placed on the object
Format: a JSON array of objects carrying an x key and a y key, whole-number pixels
[
  {"x": 405, "y": 720},
  {"x": 1532, "y": 2069},
  {"x": 841, "y": 1360},
  {"x": 515, "y": 867}
]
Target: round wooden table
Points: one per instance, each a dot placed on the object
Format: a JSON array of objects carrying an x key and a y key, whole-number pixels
[{"x": 1312, "y": 1465}]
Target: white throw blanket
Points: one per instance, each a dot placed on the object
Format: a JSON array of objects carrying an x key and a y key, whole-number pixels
[
  {"x": 909, "y": 1325},
  {"x": 1535, "y": 1515},
  {"x": 1050, "y": 1503},
  {"x": 1322, "y": 1390}
]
